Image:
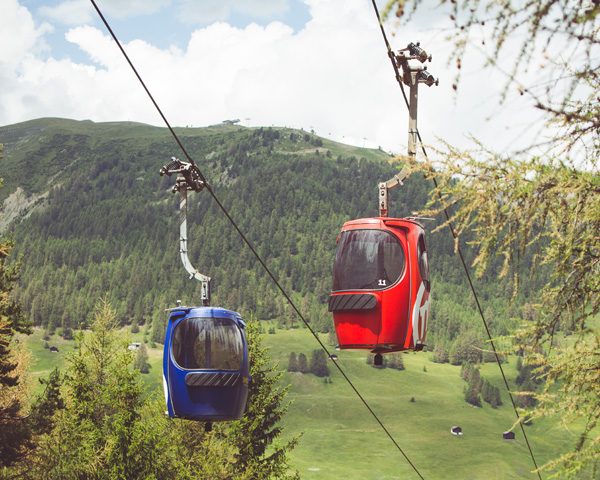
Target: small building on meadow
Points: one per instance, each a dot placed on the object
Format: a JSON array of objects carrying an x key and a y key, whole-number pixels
[
  {"x": 456, "y": 430},
  {"x": 508, "y": 435},
  {"x": 54, "y": 349},
  {"x": 134, "y": 346}
]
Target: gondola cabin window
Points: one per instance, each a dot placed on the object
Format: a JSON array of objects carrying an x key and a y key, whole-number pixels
[
  {"x": 208, "y": 344},
  {"x": 367, "y": 260}
]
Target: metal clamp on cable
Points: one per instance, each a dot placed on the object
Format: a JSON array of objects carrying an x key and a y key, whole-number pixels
[
  {"x": 188, "y": 178},
  {"x": 412, "y": 74},
  {"x": 189, "y": 172}
]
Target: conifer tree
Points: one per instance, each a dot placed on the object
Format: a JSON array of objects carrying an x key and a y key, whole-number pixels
[
  {"x": 93, "y": 436},
  {"x": 15, "y": 434},
  {"x": 472, "y": 393},
  {"x": 41, "y": 417},
  {"x": 292, "y": 363},
  {"x": 302, "y": 363},
  {"x": 141, "y": 360},
  {"x": 395, "y": 361},
  {"x": 318, "y": 363},
  {"x": 486, "y": 391},
  {"x": 496, "y": 400},
  {"x": 440, "y": 353},
  {"x": 465, "y": 371},
  {"x": 257, "y": 457}
]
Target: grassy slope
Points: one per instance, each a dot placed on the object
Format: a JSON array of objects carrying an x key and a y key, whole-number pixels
[{"x": 341, "y": 440}]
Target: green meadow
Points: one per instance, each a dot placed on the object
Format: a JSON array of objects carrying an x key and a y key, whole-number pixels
[{"x": 339, "y": 439}]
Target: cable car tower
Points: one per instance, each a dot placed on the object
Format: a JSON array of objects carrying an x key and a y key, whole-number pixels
[{"x": 380, "y": 294}]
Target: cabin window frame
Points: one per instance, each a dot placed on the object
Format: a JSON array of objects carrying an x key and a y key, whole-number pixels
[
  {"x": 376, "y": 288},
  {"x": 240, "y": 342}
]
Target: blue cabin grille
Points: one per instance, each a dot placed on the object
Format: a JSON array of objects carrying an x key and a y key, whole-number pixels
[{"x": 203, "y": 379}]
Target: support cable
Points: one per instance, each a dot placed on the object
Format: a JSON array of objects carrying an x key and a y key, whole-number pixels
[
  {"x": 252, "y": 249},
  {"x": 458, "y": 249}
]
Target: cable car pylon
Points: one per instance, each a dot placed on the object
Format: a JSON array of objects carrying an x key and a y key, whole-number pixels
[
  {"x": 205, "y": 361},
  {"x": 380, "y": 294}
]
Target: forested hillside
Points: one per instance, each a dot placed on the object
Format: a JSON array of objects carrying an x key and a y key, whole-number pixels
[{"x": 91, "y": 217}]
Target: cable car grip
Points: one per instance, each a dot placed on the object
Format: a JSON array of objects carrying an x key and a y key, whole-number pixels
[
  {"x": 188, "y": 178},
  {"x": 413, "y": 73},
  {"x": 188, "y": 175}
]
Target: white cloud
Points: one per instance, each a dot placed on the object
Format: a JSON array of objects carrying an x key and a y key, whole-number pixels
[
  {"x": 80, "y": 12},
  {"x": 129, "y": 8},
  {"x": 70, "y": 12},
  {"x": 209, "y": 11},
  {"x": 19, "y": 36},
  {"x": 333, "y": 75}
]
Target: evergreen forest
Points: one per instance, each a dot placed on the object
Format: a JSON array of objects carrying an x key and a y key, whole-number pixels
[{"x": 91, "y": 218}]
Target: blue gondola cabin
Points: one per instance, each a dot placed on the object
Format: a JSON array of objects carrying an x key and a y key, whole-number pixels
[{"x": 205, "y": 364}]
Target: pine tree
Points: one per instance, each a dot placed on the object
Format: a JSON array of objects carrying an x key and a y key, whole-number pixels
[
  {"x": 472, "y": 394},
  {"x": 135, "y": 328},
  {"x": 496, "y": 400},
  {"x": 302, "y": 363},
  {"x": 93, "y": 436},
  {"x": 15, "y": 435},
  {"x": 475, "y": 378},
  {"x": 474, "y": 385},
  {"x": 257, "y": 457},
  {"x": 537, "y": 213},
  {"x": 141, "y": 360},
  {"x": 157, "y": 333},
  {"x": 466, "y": 348},
  {"x": 47, "y": 404},
  {"x": 395, "y": 361},
  {"x": 486, "y": 391},
  {"x": 440, "y": 353},
  {"x": 465, "y": 371},
  {"x": 292, "y": 363},
  {"x": 318, "y": 363}
]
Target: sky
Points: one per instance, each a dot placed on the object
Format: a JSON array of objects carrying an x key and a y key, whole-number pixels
[{"x": 314, "y": 64}]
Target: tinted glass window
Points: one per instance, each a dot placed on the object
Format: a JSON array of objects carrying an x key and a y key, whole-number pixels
[
  {"x": 367, "y": 260},
  {"x": 423, "y": 261},
  {"x": 208, "y": 343}
]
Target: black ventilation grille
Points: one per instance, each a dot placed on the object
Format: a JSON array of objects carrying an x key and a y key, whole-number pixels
[
  {"x": 352, "y": 301},
  {"x": 206, "y": 379}
]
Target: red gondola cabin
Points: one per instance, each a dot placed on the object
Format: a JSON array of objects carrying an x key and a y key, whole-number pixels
[{"x": 380, "y": 295}]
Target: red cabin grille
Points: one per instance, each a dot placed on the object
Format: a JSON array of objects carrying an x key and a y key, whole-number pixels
[{"x": 352, "y": 301}]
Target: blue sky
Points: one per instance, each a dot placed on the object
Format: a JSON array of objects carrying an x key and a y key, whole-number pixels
[
  {"x": 312, "y": 64},
  {"x": 163, "y": 24}
]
